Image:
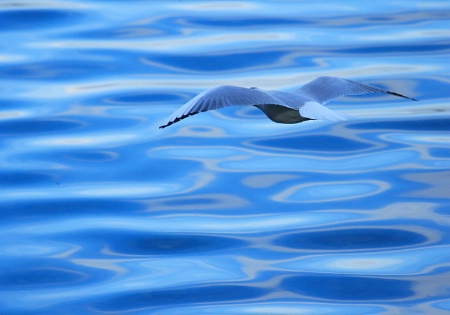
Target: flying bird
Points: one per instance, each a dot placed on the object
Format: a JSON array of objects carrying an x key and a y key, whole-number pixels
[{"x": 306, "y": 103}]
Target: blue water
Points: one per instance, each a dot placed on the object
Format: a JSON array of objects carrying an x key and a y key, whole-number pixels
[{"x": 225, "y": 212}]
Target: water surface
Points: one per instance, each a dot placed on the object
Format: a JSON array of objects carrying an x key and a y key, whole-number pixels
[{"x": 225, "y": 212}]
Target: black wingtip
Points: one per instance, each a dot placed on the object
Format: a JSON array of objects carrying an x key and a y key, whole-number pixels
[
  {"x": 164, "y": 126},
  {"x": 168, "y": 124},
  {"x": 400, "y": 95},
  {"x": 171, "y": 122},
  {"x": 179, "y": 118}
]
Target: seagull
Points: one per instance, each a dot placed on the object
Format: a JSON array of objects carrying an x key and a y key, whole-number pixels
[{"x": 306, "y": 103}]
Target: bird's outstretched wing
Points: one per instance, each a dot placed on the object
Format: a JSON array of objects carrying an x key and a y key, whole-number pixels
[
  {"x": 220, "y": 97},
  {"x": 324, "y": 89}
]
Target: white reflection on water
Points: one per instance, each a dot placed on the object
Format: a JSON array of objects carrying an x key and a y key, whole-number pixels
[
  {"x": 331, "y": 191},
  {"x": 110, "y": 189},
  {"x": 299, "y": 163},
  {"x": 291, "y": 307},
  {"x": 201, "y": 223},
  {"x": 91, "y": 140},
  {"x": 384, "y": 262}
]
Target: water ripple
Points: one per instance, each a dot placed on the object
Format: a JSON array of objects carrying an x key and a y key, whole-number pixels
[
  {"x": 331, "y": 191},
  {"x": 352, "y": 238},
  {"x": 350, "y": 288}
]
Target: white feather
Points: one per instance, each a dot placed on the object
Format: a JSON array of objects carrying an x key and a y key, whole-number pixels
[{"x": 314, "y": 110}]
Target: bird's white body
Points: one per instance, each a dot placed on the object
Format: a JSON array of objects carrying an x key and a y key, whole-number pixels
[{"x": 307, "y": 103}]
